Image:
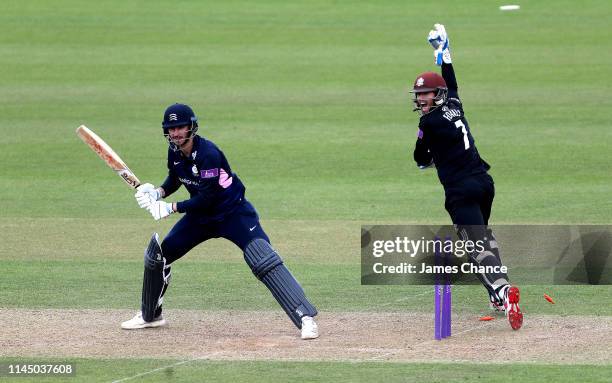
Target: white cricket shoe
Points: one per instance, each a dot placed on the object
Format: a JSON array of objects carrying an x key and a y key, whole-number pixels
[
  {"x": 310, "y": 330},
  {"x": 138, "y": 322}
]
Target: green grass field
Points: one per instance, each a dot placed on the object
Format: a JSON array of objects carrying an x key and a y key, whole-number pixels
[{"x": 309, "y": 101}]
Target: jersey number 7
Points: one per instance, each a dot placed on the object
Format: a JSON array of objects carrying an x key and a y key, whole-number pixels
[{"x": 466, "y": 141}]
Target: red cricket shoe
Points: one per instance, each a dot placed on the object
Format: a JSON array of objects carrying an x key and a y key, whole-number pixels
[{"x": 513, "y": 311}]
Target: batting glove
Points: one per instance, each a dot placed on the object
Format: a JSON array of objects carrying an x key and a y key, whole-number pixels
[
  {"x": 146, "y": 194},
  {"x": 439, "y": 41},
  {"x": 160, "y": 209}
]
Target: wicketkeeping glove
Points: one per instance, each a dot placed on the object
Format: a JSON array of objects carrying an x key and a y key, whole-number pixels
[
  {"x": 146, "y": 194},
  {"x": 160, "y": 209},
  {"x": 439, "y": 41}
]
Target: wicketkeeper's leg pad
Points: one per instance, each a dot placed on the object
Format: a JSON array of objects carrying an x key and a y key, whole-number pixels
[
  {"x": 488, "y": 257},
  {"x": 268, "y": 267},
  {"x": 155, "y": 280}
]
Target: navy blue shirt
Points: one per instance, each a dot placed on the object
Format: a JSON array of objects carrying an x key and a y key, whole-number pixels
[
  {"x": 214, "y": 190},
  {"x": 445, "y": 138}
]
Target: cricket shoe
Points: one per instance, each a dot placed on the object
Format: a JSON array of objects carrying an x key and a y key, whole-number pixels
[
  {"x": 138, "y": 322},
  {"x": 310, "y": 330},
  {"x": 496, "y": 305},
  {"x": 511, "y": 305},
  {"x": 497, "y": 308}
]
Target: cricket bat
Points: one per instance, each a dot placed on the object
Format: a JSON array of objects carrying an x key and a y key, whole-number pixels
[{"x": 108, "y": 155}]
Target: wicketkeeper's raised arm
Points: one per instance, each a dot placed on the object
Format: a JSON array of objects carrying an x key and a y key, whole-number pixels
[
  {"x": 448, "y": 73},
  {"x": 438, "y": 38}
]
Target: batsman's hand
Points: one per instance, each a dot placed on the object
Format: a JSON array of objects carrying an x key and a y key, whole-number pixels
[
  {"x": 438, "y": 38},
  {"x": 160, "y": 209},
  {"x": 146, "y": 194}
]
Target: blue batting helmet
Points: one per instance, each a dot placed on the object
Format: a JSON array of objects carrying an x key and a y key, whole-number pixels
[{"x": 179, "y": 115}]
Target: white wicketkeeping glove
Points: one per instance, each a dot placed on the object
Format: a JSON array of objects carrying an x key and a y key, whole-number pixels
[
  {"x": 160, "y": 209},
  {"x": 439, "y": 41},
  {"x": 146, "y": 194}
]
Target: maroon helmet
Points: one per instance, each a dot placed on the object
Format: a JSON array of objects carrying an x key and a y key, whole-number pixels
[{"x": 429, "y": 82}]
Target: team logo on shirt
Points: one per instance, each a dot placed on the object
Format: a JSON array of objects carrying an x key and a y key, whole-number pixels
[
  {"x": 209, "y": 173},
  {"x": 194, "y": 170}
]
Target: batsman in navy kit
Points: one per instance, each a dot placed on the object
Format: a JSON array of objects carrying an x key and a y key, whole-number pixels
[
  {"x": 217, "y": 207},
  {"x": 444, "y": 141}
]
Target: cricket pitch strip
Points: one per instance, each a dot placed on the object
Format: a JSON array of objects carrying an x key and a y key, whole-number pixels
[{"x": 355, "y": 336}]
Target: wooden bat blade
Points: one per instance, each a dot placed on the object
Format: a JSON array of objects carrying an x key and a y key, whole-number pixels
[{"x": 108, "y": 155}]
